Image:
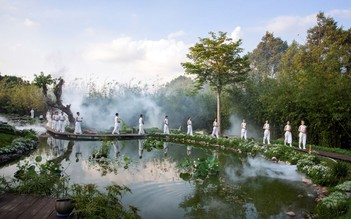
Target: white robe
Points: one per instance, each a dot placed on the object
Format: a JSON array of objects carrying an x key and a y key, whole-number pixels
[
  {"x": 215, "y": 129},
  {"x": 190, "y": 128},
  {"x": 302, "y": 136},
  {"x": 266, "y": 134},
  {"x": 287, "y": 135},
  {"x": 141, "y": 126},
  {"x": 116, "y": 128},
  {"x": 243, "y": 131},
  {"x": 165, "y": 127},
  {"x": 78, "y": 125}
]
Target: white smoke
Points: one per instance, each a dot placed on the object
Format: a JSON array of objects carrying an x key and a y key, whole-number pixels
[
  {"x": 259, "y": 166},
  {"x": 99, "y": 113},
  {"x": 235, "y": 128}
]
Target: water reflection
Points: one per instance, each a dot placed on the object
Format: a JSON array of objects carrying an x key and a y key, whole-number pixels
[
  {"x": 245, "y": 188},
  {"x": 140, "y": 148}
]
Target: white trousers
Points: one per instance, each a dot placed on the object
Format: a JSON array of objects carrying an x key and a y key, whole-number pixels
[
  {"x": 78, "y": 128},
  {"x": 215, "y": 132},
  {"x": 190, "y": 130},
  {"x": 302, "y": 139},
  {"x": 288, "y": 138},
  {"x": 57, "y": 125},
  {"x": 266, "y": 135},
  {"x": 243, "y": 134},
  {"x": 116, "y": 129},
  {"x": 165, "y": 129},
  {"x": 141, "y": 129},
  {"x": 61, "y": 126}
]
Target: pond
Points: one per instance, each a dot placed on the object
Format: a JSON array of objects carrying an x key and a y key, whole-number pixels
[{"x": 245, "y": 187}]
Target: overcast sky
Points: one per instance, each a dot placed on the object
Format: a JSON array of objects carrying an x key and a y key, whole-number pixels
[{"x": 140, "y": 40}]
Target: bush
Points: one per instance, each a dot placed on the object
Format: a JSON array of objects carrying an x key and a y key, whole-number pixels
[{"x": 91, "y": 203}]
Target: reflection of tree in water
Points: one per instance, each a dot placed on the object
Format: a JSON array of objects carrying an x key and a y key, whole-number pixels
[
  {"x": 213, "y": 198},
  {"x": 66, "y": 154},
  {"x": 247, "y": 197}
]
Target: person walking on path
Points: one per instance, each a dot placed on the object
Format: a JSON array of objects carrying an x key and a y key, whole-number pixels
[
  {"x": 215, "y": 128},
  {"x": 141, "y": 125},
  {"x": 117, "y": 122},
  {"x": 78, "y": 124},
  {"x": 189, "y": 126},
  {"x": 165, "y": 126},
  {"x": 243, "y": 130},
  {"x": 267, "y": 133},
  {"x": 302, "y": 135},
  {"x": 287, "y": 135}
]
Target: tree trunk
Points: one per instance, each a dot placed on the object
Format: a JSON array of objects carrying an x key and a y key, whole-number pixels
[
  {"x": 58, "y": 102},
  {"x": 219, "y": 111}
]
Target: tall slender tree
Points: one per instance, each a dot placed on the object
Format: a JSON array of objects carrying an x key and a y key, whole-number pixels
[{"x": 218, "y": 61}]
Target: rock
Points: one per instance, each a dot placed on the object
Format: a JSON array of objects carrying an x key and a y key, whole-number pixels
[
  {"x": 291, "y": 214},
  {"x": 274, "y": 159},
  {"x": 300, "y": 196},
  {"x": 307, "y": 181}
]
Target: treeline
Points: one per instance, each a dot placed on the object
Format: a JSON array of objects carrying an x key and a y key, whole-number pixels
[
  {"x": 20, "y": 96},
  {"x": 309, "y": 81}
]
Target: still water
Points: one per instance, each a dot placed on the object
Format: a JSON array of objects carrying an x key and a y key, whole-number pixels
[{"x": 245, "y": 188}]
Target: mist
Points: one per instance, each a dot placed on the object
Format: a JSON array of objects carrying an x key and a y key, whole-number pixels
[
  {"x": 235, "y": 128},
  {"x": 98, "y": 107}
]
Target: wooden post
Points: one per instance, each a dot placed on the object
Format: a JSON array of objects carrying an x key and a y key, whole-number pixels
[{"x": 310, "y": 149}]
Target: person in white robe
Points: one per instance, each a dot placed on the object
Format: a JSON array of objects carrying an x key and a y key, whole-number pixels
[
  {"x": 62, "y": 122},
  {"x": 48, "y": 118},
  {"x": 141, "y": 125},
  {"x": 189, "y": 126},
  {"x": 302, "y": 135},
  {"x": 243, "y": 130},
  {"x": 288, "y": 135},
  {"x": 56, "y": 118},
  {"x": 165, "y": 125},
  {"x": 267, "y": 133},
  {"x": 32, "y": 113},
  {"x": 78, "y": 124},
  {"x": 215, "y": 128},
  {"x": 117, "y": 123}
]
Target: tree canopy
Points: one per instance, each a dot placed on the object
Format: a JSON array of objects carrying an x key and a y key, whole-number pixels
[{"x": 218, "y": 61}]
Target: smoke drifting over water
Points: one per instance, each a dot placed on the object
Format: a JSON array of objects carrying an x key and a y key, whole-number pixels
[
  {"x": 261, "y": 167},
  {"x": 37, "y": 127},
  {"x": 99, "y": 113}
]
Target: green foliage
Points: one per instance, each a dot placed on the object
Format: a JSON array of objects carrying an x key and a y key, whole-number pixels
[
  {"x": 200, "y": 167},
  {"x": 334, "y": 205},
  {"x": 37, "y": 178},
  {"x": 101, "y": 161},
  {"x": 217, "y": 61},
  {"x": 150, "y": 143},
  {"x": 19, "y": 96},
  {"x": 313, "y": 84},
  {"x": 91, "y": 203},
  {"x": 265, "y": 59}
]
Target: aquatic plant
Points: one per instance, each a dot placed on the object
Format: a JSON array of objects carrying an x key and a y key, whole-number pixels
[
  {"x": 91, "y": 203},
  {"x": 37, "y": 178},
  {"x": 200, "y": 167}
]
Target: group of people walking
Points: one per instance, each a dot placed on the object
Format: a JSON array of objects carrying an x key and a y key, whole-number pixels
[
  {"x": 57, "y": 121},
  {"x": 287, "y": 135}
]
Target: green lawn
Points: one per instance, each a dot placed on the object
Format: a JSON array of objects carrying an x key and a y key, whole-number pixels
[{"x": 6, "y": 139}]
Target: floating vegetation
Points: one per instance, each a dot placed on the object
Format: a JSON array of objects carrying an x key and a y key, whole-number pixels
[
  {"x": 199, "y": 168},
  {"x": 101, "y": 161}
]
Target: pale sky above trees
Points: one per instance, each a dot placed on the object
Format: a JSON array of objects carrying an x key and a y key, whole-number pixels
[{"x": 139, "y": 40}]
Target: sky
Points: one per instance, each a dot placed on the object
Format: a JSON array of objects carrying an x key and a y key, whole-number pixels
[{"x": 132, "y": 41}]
